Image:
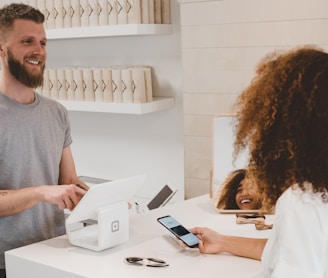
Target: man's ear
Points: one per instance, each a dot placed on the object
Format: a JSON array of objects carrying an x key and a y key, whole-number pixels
[{"x": 2, "y": 52}]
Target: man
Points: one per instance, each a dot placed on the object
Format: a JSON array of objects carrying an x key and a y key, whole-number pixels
[{"x": 37, "y": 172}]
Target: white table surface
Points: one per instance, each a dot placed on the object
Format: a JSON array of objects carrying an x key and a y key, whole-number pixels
[{"x": 56, "y": 257}]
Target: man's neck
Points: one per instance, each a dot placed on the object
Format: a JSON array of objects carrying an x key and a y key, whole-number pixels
[{"x": 15, "y": 90}]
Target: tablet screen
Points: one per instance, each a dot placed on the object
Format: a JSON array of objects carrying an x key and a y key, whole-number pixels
[{"x": 163, "y": 196}]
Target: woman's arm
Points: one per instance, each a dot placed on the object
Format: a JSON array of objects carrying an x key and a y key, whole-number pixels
[{"x": 213, "y": 242}]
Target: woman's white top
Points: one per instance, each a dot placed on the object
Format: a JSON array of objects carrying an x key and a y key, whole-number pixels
[{"x": 298, "y": 244}]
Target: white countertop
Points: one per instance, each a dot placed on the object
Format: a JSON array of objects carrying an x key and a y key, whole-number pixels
[{"x": 58, "y": 258}]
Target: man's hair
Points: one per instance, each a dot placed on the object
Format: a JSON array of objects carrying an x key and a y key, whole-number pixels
[
  {"x": 9, "y": 13},
  {"x": 283, "y": 117}
]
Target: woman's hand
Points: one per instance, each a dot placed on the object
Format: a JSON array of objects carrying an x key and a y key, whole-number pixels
[{"x": 210, "y": 241}]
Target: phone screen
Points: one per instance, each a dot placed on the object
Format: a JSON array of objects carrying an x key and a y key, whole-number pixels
[{"x": 179, "y": 231}]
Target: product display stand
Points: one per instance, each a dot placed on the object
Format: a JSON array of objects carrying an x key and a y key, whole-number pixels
[{"x": 108, "y": 228}]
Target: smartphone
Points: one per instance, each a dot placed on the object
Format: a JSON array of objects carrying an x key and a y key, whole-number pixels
[
  {"x": 179, "y": 231},
  {"x": 162, "y": 197}
]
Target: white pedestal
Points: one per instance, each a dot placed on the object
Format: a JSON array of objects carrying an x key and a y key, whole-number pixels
[{"x": 109, "y": 229}]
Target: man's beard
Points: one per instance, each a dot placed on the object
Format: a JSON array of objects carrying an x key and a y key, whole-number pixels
[{"x": 21, "y": 73}]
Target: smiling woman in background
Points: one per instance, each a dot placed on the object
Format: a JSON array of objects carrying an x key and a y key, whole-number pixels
[{"x": 238, "y": 192}]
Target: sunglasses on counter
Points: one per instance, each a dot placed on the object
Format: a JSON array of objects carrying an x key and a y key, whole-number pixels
[{"x": 151, "y": 262}]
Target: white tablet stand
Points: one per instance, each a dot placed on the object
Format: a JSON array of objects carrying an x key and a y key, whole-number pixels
[
  {"x": 101, "y": 218},
  {"x": 110, "y": 228}
]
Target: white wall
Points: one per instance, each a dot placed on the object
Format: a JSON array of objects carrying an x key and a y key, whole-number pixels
[
  {"x": 117, "y": 145},
  {"x": 222, "y": 42}
]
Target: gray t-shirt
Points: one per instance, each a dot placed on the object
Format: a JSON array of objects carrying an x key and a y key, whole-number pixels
[{"x": 32, "y": 139}]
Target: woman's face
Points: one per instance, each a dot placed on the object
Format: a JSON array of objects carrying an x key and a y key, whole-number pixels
[{"x": 247, "y": 197}]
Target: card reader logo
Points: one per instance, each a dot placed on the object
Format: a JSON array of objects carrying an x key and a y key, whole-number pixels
[{"x": 115, "y": 226}]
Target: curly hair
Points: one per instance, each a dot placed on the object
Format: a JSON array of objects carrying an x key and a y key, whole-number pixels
[
  {"x": 9, "y": 13},
  {"x": 229, "y": 188},
  {"x": 282, "y": 116}
]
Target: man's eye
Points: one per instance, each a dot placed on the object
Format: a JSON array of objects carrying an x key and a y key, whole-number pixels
[{"x": 27, "y": 41}]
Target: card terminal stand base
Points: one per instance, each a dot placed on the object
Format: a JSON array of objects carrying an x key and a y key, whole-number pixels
[{"x": 109, "y": 228}]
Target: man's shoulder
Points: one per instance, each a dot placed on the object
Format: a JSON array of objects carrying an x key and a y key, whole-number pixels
[{"x": 50, "y": 102}]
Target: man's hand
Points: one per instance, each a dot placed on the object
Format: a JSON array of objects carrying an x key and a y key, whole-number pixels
[{"x": 64, "y": 196}]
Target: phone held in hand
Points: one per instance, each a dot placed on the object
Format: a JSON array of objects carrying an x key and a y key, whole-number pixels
[{"x": 179, "y": 231}]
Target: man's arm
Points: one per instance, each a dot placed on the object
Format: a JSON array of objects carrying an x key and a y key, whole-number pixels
[
  {"x": 66, "y": 195},
  {"x": 15, "y": 201},
  {"x": 67, "y": 171}
]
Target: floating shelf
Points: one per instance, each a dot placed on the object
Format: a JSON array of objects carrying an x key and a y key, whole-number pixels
[
  {"x": 158, "y": 104},
  {"x": 109, "y": 31}
]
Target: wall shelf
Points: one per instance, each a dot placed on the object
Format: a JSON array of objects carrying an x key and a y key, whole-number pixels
[
  {"x": 109, "y": 31},
  {"x": 158, "y": 104}
]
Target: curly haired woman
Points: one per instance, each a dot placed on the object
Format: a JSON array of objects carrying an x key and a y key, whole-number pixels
[
  {"x": 237, "y": 192},
  {"x": 283, "y": 118}
]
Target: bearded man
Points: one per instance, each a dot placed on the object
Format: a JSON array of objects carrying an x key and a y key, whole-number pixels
[{"x": 37, "y": 172}]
